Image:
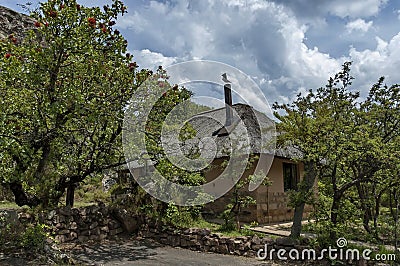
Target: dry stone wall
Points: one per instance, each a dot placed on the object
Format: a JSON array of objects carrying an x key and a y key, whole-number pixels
[
  {"x": 78, "y": 224},
  {"x": 200, "y": 239}
]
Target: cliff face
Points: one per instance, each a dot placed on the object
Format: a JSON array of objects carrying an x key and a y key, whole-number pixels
[{"x": 12, "y": 22}]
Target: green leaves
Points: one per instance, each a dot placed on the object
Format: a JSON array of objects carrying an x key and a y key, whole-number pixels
[
  {"x": 64, "y": 88},
  {"x": 350, "y": 140}
]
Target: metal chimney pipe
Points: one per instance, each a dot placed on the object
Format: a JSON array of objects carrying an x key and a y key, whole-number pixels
[{"x": 228, "y": 104}]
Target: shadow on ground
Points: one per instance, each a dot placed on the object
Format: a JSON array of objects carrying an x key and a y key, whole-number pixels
[{"x": 113, "y": 252}]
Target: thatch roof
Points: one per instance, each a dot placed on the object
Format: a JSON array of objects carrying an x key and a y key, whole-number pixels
[{"x": 251, "y": 132}]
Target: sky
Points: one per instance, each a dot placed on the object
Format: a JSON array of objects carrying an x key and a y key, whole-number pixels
[{"x": 285, "y": 46}]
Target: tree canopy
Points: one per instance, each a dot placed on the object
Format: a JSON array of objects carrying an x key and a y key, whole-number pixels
[
  {"x": 349, "y": 144},
  {"x": 62, "y": 89}
]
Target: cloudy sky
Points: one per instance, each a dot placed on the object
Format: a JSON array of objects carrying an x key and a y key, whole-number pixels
[{"x": 286, "y": 46}]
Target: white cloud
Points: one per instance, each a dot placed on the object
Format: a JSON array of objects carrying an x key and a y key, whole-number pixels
[
  {"x": 369, "y": 65},
  {"x": 151, "y": 60},
  {"x": 355, "y": 8},
  {"x": 341, "y": 8},
  {"x": 267, "y": 39},
  {"x": 358, "y": 25},
  {"x": 262, "y": 38}
]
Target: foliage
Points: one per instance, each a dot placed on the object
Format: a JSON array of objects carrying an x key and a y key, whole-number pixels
[
  {"x": 163, "y": 121},
  {"x": 35, "y": 237},
  {"x": 182, "y": 217},
  {"x": 91, "y": 191},
  {"x": 10, "y": 232},
  {"x": 351, "y": 146},
  {"x": 63, "y": 89},
  {"x": 15, "y": 235},
  {"x": 174, "y": 97},
  {"x": 239, "y": 198}
]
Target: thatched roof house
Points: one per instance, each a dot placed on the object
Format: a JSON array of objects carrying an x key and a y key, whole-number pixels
[{"x": 237, "y": 129}]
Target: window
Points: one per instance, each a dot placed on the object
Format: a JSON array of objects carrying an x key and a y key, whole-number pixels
[{"x": 290, "y": 176}]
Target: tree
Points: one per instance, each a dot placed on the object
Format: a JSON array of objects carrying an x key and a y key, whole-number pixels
[
  {"x": 166, "y": 120},
  {"x": 63, "y": 89},
  {"x": 312, "y": 125},
  {"x": 349, "y": 145},
  {"x": 380, "y": 117}
]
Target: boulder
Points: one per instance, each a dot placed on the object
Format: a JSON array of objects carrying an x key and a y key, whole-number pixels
[{"x": 130, "y": 223}]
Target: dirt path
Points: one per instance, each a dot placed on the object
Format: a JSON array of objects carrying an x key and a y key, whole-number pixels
[{"x": 134, "y": 252}]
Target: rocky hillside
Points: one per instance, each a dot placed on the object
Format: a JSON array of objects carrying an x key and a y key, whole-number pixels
[{"x": 12, "y": 22}]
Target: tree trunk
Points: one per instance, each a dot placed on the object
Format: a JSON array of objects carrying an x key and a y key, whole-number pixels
[
  {"x": 334, "y": 214},
  {"x": 297, "y": 218},
  {"x": 69, "y": 200},
  {"x": 309, "y": 179},
  {"x": 21, "y": 197},
  {"x": 364, "y": 206}
]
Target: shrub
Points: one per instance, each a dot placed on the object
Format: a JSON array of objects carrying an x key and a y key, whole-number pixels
[{"x": 35, "y": 237}]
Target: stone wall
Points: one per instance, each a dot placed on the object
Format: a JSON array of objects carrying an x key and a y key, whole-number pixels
[
  {"x": 67, "y": 224},
  {"x": 203, "y": 240},
  {"x": 200, "y": 239},
  {"x": 272, "y": 207}
]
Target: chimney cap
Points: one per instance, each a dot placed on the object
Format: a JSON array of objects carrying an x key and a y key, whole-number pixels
[{"x": 225, "y": 78}]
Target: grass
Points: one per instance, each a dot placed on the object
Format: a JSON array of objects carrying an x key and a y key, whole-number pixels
[
  {"x": 216, "y": 228},
  {"x": 8, "y": 205}
]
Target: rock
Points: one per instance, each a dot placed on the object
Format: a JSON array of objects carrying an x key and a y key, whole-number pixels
[
  {"x": 51, "y": 214},
  {"x": 66, "y": 211},
  {"x": 82, "y": 238},
  {"x": 174, "y": 241},
  {"x": 267, "y": 240},
  {"x": 114, "y": 224},
  {"x": 223, "y": 239},
  {"x": 73, "y": 235},
  {"x": 250, "y": 254},
  {"x": 209, "y": 241},
  {"x": 256, "y": 240},
  {"x": 95, "y": 231},
  {"x": 63, "y": 232},
  {"x": 188, "y": 231},
  {"x": 105, "y": 229},
  {"x": 73, "y": 226},
  {"x": 60, "y": 218},
  {"x": 257, "y": 247},
  {"x": 286, "y": 242},
  {"x": 128, "y": 222},
  {"x": 242, "y": 238},
  {"x": 60, "y": 226},
  {"x": 237, "y": 252},
  {"x": 94, "y": 237},
  {"x": 15, "y": 23},
  {"x": 60, "y": 238},
  {"x": 93, "y": 225},
  {"x": 25, "y": 217},
  {"x": 247, "y": 245},
  {"x": 204, "y": 232},
  {"x": 222, "y": 248},
  {"x": 184, "y": 242},
  {"x": 116, "y": 231}
]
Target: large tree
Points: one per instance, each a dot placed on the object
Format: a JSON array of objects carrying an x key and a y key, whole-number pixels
[
  {"x": 348, "y": 144},
  {"x": 62, "y": 90},
  {"x": 312, "y": 124}
]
